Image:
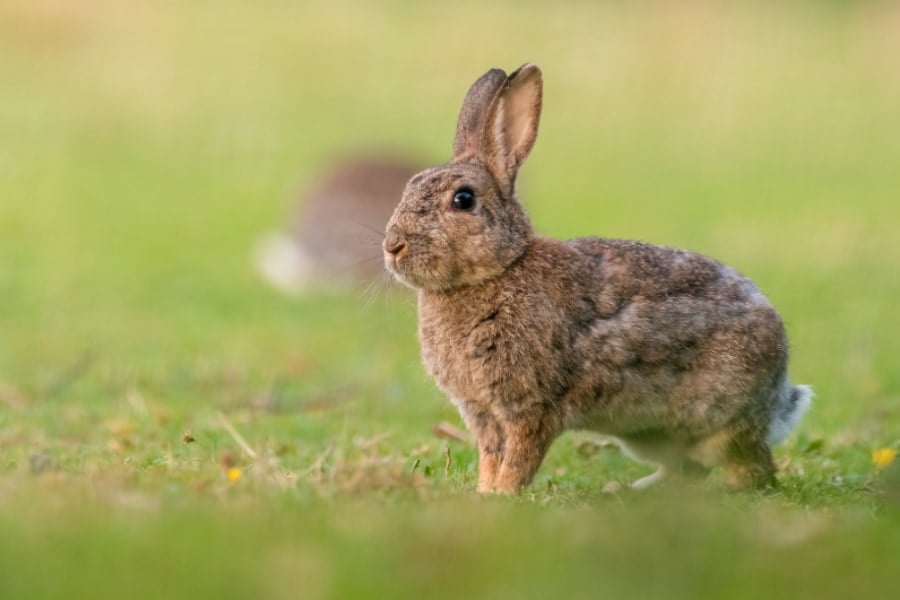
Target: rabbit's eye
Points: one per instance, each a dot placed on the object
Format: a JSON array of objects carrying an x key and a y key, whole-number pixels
[{"x": 464, "y": 199}]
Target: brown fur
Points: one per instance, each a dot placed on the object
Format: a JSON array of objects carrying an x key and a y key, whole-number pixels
[{"x": 679, "y": 357}]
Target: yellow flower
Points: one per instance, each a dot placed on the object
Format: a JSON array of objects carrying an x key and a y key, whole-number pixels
[
  {"x": 883, "y": 457},
  {"x": 234, "y": 474}
]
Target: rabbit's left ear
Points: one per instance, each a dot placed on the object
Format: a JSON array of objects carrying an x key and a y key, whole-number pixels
[
  {"x": 474, "y": 114},
  {"x": 512, "y": 124}
]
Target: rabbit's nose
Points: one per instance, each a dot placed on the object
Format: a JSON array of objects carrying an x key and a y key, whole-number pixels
[{"x": 395, "y": 244}]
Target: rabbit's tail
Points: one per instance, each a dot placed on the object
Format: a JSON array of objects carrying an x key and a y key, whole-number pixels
[
  {"x": 283, "y": 263},
  {"x": 792, "y": 402}
]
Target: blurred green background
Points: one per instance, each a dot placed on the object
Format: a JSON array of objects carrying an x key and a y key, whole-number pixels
[{"x": 171, "y": 426}]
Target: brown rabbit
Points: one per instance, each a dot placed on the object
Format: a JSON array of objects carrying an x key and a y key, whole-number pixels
[
  {"x": 677, "y": 356},
  {"x": 336, "y": 228}
]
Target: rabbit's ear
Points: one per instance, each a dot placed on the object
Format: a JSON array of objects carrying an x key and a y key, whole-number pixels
[
  {"x": 474, "y": 111},
  {"x": 512, "y": 125}
]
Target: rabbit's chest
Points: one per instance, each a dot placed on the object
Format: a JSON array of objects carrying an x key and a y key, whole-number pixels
[{"x": 485, "y": 358}]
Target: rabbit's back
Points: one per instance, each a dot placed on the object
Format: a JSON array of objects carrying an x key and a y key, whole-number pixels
[{"x": 679, "y": 341}]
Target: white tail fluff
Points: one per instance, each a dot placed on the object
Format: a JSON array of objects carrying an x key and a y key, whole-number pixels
[
  {"x": 793, "y": 402},
  {"x": 282, "y": 262}
]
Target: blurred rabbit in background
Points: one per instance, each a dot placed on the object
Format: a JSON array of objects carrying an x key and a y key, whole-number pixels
[{"x": 335, "y": 233}]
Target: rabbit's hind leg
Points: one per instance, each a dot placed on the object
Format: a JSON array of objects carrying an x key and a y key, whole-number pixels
[
  {"x": 669, "y": 456},
  {"x": 742, "y": 449},
  {"x": 748, "y": 462}
]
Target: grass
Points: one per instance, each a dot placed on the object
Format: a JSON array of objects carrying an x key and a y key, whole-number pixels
[{"x": 145, "y": 146}]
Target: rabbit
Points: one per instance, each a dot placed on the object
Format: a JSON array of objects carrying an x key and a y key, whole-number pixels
[
  {"x": 336, "y": 230},
  {"x": 677, "y": 357}
]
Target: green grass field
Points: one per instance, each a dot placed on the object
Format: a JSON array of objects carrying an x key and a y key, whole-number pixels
[{"x": 172, "y": 428}]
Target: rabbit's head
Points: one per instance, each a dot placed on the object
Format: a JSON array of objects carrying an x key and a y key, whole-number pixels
[{"x": 460, "y": 224}]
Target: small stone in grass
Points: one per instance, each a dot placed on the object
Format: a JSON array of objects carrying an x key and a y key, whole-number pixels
[
  {"x": 39, "y": 463},
  {"x": 612, "y": 487}
]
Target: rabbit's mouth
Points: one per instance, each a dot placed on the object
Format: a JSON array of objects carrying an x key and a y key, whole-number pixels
[
  {"x": 396, "y": 261},
  {"x": 399, "y": 267},
  {"x": 416, "y": 271},
  {"x": 391, "y": 263}
]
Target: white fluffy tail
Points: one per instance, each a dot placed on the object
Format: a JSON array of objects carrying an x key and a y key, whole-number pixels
[
  {"x": 282, "y": 262},
  {"x": 793, "y": 402}
]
